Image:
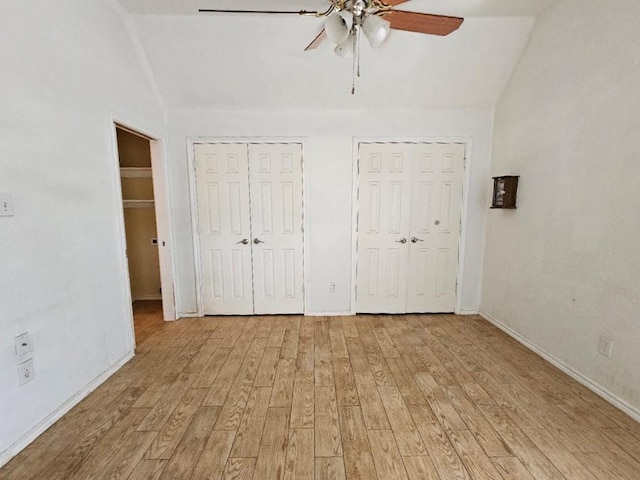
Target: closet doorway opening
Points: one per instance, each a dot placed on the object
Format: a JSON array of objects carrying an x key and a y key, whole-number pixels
[{"x": 144, "y": 218}]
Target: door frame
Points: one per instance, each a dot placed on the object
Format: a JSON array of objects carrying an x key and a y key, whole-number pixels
[
  {"x": 466, "y": 175},
  {"x": 162, "y": 213},
  {"x": 191, "y": 143}
]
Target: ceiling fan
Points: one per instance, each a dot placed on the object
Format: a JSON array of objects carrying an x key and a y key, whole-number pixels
[{"x": 345, "y": 19}]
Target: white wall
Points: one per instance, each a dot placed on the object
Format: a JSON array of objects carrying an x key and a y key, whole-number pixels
[
  {"x": 328, "y": 163},
  {"x": 564, "y": 268},
  {"x": 68, "y": 68}
]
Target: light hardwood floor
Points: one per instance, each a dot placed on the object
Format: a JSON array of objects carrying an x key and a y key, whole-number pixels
[
  {"x": 147, "y": 318},
  {"x": 369, "y": 397}
]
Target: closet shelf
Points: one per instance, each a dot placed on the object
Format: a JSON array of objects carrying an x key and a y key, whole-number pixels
[
  {"x": 138, "y": 203},
  {"x": 135, "y": 172}
]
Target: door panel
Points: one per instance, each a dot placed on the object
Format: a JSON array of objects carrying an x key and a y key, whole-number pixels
[
  {"x": 435, "y": 224},
  {"x": 384, "y": 216},
  {"x": 276, "y": 224},
  {"x": 222, "y": 187}
]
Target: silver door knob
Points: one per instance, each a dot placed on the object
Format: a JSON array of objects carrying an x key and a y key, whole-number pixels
[
  {"x": 257, "y": 241},
  {"x": 402, "y": 240},
  {"x": 244, "y": 241},
  {"x": 416, "y": 240}
]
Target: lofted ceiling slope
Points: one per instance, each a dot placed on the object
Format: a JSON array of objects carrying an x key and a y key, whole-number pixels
[{"x": 218, "y": 61}]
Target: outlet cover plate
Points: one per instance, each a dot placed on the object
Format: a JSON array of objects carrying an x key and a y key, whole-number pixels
[
  {"x": 605, "y": 346},
  {"x": 26, "y": 372},
  {"x": 6, "y": 205}
]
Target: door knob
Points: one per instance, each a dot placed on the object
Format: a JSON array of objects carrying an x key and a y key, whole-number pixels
[
  {"x": 416, "y": 240},
  {"x": 402, "y": 240},
  {"x": 257, "y": 241},
  {"x": 244, "y": 241}
]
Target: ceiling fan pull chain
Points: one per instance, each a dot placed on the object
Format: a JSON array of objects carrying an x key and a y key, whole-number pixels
[
  {"x": 353, "y": 69},
  {"x": 353, "y": 83},
  {"x": 358, "y": 42}
]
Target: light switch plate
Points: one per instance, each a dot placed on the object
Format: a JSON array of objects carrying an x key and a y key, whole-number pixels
[
  {"x": 6, "y": 205},
  {"x": 23, "y": 344}
]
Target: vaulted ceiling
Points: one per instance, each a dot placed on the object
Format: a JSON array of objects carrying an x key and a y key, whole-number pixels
[{"x": 224, "y": 61}]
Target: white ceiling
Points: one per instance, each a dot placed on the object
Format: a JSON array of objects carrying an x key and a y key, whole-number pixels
[{"x": 257, "y": 61}]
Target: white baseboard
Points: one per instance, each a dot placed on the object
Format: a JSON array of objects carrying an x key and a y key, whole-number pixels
[
  {"x": 579, "y": 377},
  {"x": 467, "y": 312},
  {"x": 25, "y": 440},
  {"x": 306, "y": 314}
]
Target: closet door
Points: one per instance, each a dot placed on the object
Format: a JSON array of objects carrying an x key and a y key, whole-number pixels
[
  {"x": 409, "y": 205},
  {"x": 276, "y": 226},
  {"x": 435, "y": 227},
  {"x": 383, "y": 227},
  {"x": 222, "y": 185}
]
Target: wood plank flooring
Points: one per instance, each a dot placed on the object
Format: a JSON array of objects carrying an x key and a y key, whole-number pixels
[{"x": 416, "y": 397}]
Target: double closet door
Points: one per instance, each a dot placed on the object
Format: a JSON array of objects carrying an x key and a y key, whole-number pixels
[
  {"x": 410, "y": 198},
  {"x": 250, "y": 231}
]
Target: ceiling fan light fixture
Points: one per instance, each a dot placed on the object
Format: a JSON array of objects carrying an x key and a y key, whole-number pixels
[
  {"x": 345, "y": 49},
  {"x": 376, "y": 29},
  {"x": 347, "y": 16},
  {"x": 345, "y": 19},
  {"x": 337, "y": 27}
]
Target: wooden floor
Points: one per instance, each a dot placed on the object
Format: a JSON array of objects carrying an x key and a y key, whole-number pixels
[
  {"x": 147, "y": 318},
  {"x": 295, "y": 398}
]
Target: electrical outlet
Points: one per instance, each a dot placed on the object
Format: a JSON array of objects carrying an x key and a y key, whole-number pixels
[
  {"x": 605, "y": 346},
  {"x": 26, "y": 372},
  {"x": 6, "y": 205},
  {"x": 332, "y": 287}
]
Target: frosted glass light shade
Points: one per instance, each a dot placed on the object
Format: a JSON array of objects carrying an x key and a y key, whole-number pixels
[
  {"x": 338, "y": 25},
  {"x": 376, "y": 29},
  {"x": 347, "y": 17},
  {"x": 345, "y": 49}
]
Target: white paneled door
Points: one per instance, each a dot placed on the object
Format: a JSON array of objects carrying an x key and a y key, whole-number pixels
[
  {"x": 383, "y": 226},
  {"x": 408, "y": 227},
  {"x": 436, "y": 203},
  {"x": 276, "y": 226},
  {"x": 222, "y": 185},
  {"x": 250, "y": 228}
]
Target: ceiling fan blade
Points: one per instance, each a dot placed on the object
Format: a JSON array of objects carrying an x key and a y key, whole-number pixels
[
  {"x": 423, "y": 22},
  {"x": 393, "y": 3},
  {"x": 272, "y": 12},
  {"x": 316, "y": 41}
]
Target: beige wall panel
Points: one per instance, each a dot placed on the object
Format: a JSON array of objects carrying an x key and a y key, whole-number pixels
[{"x": 144, "y": 268}]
